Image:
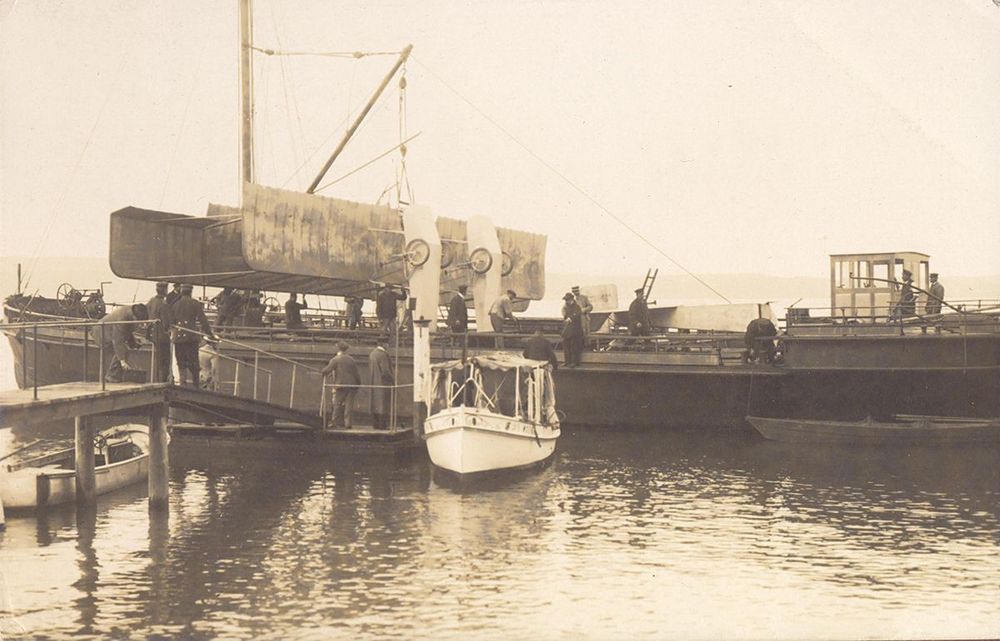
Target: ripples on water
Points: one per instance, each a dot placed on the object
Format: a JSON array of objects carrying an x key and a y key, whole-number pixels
[{"x": 625, "y": 535}]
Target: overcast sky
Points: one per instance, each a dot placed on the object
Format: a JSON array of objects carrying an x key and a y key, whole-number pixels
[{"x": 735, "y": 136}]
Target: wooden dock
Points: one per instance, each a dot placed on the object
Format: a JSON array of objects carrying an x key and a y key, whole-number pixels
[{"x": 245, "y": 421}]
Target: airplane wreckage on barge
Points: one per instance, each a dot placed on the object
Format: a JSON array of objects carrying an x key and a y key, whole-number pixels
[{"x": 691, "y": 372}]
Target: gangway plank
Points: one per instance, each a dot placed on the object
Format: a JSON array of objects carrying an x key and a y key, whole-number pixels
[{"x": 245, "y": 409}]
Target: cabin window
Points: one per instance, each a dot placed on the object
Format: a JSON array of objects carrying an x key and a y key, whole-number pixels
[
  {"x": 922, "y": 277},
  {"x": 881, "y": 274},
  {"x": 897, "y": 272},
  {"x": 864, "y": 274}
]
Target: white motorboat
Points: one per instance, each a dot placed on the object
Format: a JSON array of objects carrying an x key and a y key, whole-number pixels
[
  {"x": 493, "y": 412},
  {"x": 121, "y": 458}
]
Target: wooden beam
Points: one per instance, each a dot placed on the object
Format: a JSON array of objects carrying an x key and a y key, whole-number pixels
[
  {"x": 159, "y": 462},
  {"x": 86, "y": 477}
]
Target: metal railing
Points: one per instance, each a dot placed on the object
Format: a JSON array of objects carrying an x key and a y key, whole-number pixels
[
  {"x": 22, "y": 333},
  {"x": 257, "y": 352},
  {"x": 393, "y": 414}
]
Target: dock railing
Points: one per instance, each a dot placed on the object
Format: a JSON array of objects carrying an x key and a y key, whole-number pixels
[
  {"x": 324, "y": 410},
  {"x": 957, "y": 317},
  {"x": 256, "y": 367},
  {"x": 87, "y": 326}
]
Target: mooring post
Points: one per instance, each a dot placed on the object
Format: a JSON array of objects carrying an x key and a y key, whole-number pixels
[
  {"x": 158, "y": 459},
  {"x": 86, "y": 479}
]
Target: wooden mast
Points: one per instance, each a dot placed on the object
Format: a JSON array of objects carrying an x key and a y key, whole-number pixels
[{"x": 246, "y": 92}]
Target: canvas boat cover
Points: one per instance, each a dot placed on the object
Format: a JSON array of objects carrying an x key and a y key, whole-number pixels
[{"x": 500, "y": 361}]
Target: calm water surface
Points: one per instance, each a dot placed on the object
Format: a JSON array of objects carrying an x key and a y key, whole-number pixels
[{"x": 624, "y": 536}]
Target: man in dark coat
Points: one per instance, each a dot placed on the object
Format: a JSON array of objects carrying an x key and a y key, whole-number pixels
[
  {"x": 458, "y": 313},
  {"x": 385, "y": 308},
  {"x": 354, "y": 309},
  {"x": 174, "y": 295},
  {"x": 159, "y": 333},
  {"x": 346, "y": 380},
  {"x": 231, "y": 305},
  {"x": 907, "y": 299},
  {"x": 538, "y": 349},
  {"x": 380, "y": 379},
  {"x": 638, "y": 315},
  {"x": 293, "y": 312},
  {"x": 760, "y": 350},
  {"x": 572, "y": 332},
  {"x": 188, "y": 317}
]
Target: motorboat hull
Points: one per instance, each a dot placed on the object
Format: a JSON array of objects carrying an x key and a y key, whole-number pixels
[
  {"x": 918, "y": 430},
  {"x": 465, "y": 440}
]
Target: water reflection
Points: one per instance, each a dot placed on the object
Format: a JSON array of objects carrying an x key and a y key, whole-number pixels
[{"x": 624, "y": 535}]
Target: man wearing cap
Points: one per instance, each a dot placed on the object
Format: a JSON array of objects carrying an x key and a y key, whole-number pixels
[
  {"x": 119, "y": 334},
  {"x": 638, "y": 315},
  {"x": 174, "y": 295},
  {"x": 585, "y": 308},
  {"x": 188, "y": 317},
  {"x": 380, "y": 379},
  {"x": 159, "y": 332},
  {"x": 458, "y": 313},
  {"x": 935, "y": 296},
  {"x": 907, "y": 299},
  {"x": 502, "y": 310},
  {"x": 346, "y": 380},
  {"x": 572, "y": 331}
]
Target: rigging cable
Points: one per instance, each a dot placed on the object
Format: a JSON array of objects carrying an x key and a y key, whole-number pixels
[
  {"x": 62, "y": 197},
  {"x": 284, "y": 85},
  {"x": 569, "y": 182},
  {"x": 326, "y": 54}
]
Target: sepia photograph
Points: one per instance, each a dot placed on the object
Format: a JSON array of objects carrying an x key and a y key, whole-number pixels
[{"x": 510, "y": 319}]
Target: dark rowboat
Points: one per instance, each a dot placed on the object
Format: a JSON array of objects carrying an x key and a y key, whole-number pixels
[{"x": 911, "y": 429}]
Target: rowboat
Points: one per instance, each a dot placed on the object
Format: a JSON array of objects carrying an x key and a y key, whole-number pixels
[
  {"x": 903, "y": 428},
  {"x": 495, "y": 412},
  {"x": 121, "y": 459}
]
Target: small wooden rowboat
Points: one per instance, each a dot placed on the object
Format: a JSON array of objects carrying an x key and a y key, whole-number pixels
[
  {"x": 121, "y": 459},
  {"x": 904, "y": 428}
]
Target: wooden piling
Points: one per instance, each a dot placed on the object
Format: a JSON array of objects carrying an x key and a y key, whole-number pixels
[
  {"x": 158, "y": 459},
  {"x": 86, "y": 479}
]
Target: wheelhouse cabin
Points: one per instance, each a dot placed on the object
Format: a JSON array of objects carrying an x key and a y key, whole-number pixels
[{"x": 865, "y": 286}]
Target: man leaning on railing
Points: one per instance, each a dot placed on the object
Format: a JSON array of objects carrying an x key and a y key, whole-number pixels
[{"x": 121, "y": 337}]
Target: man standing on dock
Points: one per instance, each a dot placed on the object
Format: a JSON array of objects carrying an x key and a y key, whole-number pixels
[
  {"x": 120, "y": 335},
  {"x": 159, "y": 332},
  {"x": 638, "y": 314},
  {"x": 293, "y": 311},
  {"x": 585, "y": 309},
  {"x": 502, "y": 310},
  {"x": 380, "y": 379},
  {"x": 936, "y": 296},
  {"x": 572, "y": 331},
  {"x": 189, "y": 316},
  {"x": 458, "y": 313},
  {"x": 907, "y": 299},
  {"x": 346, "y": 380}
]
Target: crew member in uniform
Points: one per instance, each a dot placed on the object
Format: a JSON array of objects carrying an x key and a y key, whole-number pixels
[
  {"x": 189, "y": 316},
  {"x": 159, "y": 333}
]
